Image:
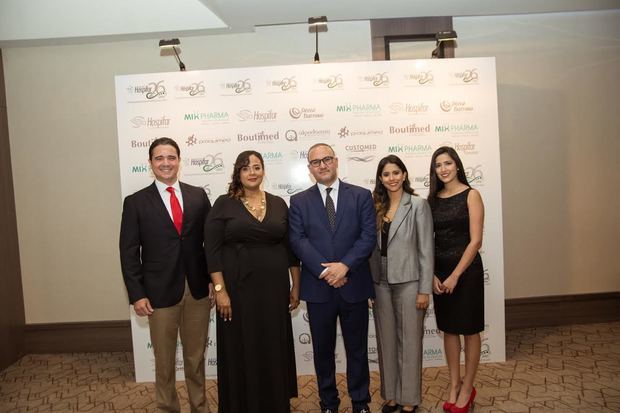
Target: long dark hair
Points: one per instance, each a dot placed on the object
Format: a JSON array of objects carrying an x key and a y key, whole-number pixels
[
  {"x": 435, "y": 183},
  {"x": 235, "y": 187},
  {"x": 380, "y": 193}
]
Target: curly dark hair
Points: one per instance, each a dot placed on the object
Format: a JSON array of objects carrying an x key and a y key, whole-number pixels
[
  {"x": 435, "y": 183},
  {"x": 235, "y": 187},
  {"x": 380, "y": 193}
]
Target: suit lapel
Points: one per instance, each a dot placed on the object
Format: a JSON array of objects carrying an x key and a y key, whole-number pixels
[
  {"x": 401, "y": 213},
  {"x": 343, "y": 203},
  {"x": 187, "y": 205},
  {"x": 317, "y": 202},
  {"x": 160, "y": 207}
]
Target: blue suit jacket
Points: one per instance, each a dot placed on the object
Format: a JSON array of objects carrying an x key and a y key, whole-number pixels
[{"x": 351, "y": 243}]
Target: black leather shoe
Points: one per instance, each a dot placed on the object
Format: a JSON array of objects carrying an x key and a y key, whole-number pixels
[
  {"x": 389, "y": 409},
  {"x": 329, "y": 411},
  {"x": 362, "y": 410}
]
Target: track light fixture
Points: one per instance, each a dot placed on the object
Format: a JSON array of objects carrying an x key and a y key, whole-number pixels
[
  {"x": 317, "y": 24},
  {"x": 442, "y": 38},
  {"x": 165, "y": 45}
]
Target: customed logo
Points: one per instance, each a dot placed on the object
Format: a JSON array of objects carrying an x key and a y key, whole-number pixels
[
  {"x": 359, "y": 150},
  {"x": 211, "y": 163},
  {"x": 362, "y": 109},
  {"x": 411, "y": 150},
  {"x": 408, "y": 108},
  {"x": 150, "y": 91},
  {"x": 207, "y": 117},
  {"x": 259, "y": 137},
  {"x": 455, "y": 106},
  {"x": 149, "y": 122},
  {"x": 468, "y": 76},
  {"x": 411, "y": 129},
  {"x": 332, "y": 82},
  {"x": 305, "y": 113},
  {"x": 458, "y": 129},
  {"x": 194, "y": 140},
  {"x": 193, "y": 89},
  {"x": 475, "y": 175},
  {"x": 245, "y": 115},
  {"x": 286, "y": 84},
  {"x": 420, "y": 78}
]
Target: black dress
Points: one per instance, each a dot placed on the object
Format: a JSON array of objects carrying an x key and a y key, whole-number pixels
[
  {"x": 255, "y": 355},
  {"x": 461, "y": 312}
]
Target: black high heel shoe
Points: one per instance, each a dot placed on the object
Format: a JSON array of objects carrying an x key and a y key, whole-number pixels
[{"x": 389, "y": 409}]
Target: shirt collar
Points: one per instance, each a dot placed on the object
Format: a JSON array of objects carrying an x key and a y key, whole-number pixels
[
  {"x": 334, "y": 186},
  {"x": 161, "y": 187}
]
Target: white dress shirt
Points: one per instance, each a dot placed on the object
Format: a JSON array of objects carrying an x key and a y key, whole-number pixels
[{"x": 333, "y": 194}]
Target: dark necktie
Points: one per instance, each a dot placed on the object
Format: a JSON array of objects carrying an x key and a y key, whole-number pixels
[
  {"x": 175, "y": 206},
  {"x": 331, "y": 209}
]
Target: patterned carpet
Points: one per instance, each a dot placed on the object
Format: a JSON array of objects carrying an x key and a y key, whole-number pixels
[{"x": 555, "y": 369}]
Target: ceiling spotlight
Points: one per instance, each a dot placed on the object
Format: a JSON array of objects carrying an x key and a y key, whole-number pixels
[
  {"x": 166, "y": 45},
  {"x": 442, "y": 38},
  {"x": 317, "y": 24}
]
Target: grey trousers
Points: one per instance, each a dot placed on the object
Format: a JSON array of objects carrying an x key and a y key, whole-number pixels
[{"x": 400, "y": 329}]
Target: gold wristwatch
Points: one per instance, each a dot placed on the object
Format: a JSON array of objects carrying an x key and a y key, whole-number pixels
[{"x": 218, "y": 287}]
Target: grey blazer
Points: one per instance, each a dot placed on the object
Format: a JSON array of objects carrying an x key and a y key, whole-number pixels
[{"x": 410, "y": 255}]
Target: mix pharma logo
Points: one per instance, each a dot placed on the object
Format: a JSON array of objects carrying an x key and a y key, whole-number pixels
[
  {"x": 193, "y": 140},
  {"x": 207, "y": 117},
  {"x": 456, "y": 106},
  {"x": 141, "y": 143},
  {"x": 196, "y": 89},
  {"x": 362, "y": 109},
  {"x": 289, "y": 190},
  {"x": 421, "y": 182},
  {"x": 305, "y": 113},
  {"x": 359, "y": 150},
  {"x": 411, "y": 150},
  {"x": 467, "y": 148},
  {"x": 458, "y": 129},
  {"x": 345, "y": 132},
  {"x": 149, "y": 122},
  {"x": 210, "y": 164},
  {"x": 375, "y": 80},
  {"x": 141, "y": 168},
  {"x": 293, "y": 135},
  {"x": 286, "y": 84},
  {"x": 432, "y": 354},
  {"x": 258, "y": 137},
  {"x": 245, "y": 115},
  {"x": 475, "y": 175},
  {"x": 240, "y": 87},
  {"x": 420, "y": 78},
  {"x": 331, "y": 82},
  {"x": 272, "y": 157},
  {"x": 411, "y": 129},
  {"x": 408, "y": 108},
  {"x": 150, "y": 91},
  {"x": 468, "y": 76}
]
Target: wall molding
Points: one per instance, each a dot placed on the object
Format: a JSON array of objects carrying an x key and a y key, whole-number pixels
[
  {"x": 104, "y": 336},
  {"x": 560, "y": 310}
]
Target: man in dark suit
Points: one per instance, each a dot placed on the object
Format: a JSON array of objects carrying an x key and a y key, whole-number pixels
[
  {"x": 332, "y": 231},
  {"x": 165, "y": 272}
]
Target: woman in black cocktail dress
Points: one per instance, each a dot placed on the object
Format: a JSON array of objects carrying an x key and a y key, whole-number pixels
[{"x": 458, "y": 285}]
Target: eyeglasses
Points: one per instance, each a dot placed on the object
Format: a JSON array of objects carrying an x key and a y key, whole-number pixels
[{"x": 328, "y": 160}]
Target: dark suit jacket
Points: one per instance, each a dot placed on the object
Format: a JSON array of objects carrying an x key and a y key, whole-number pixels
[
  {"x": 351, "y": 243},
  {"x": 154, "y": 256}
]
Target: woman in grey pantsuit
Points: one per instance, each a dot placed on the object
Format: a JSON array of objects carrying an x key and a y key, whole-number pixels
[{"x": 402, "y": 269}]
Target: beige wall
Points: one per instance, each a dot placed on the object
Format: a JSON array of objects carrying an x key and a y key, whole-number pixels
[{"x": 558, "y": 129}]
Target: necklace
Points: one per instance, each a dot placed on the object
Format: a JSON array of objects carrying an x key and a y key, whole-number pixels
[{"x": 257, "y": 210}]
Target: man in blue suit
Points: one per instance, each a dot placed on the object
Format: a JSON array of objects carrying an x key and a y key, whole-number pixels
[{"x": 333, "y": 232}]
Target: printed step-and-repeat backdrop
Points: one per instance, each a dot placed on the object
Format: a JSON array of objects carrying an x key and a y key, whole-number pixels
[{"x": 365, "y": 110}]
